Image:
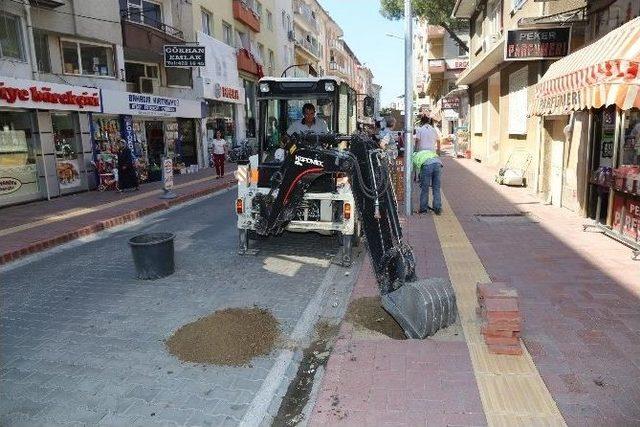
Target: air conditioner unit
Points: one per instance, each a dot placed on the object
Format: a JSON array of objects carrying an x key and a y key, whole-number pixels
[{"x": 148, "y": 85}]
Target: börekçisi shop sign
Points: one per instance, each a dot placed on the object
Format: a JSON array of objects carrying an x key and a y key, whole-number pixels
[{"x": 20, "y": 93}]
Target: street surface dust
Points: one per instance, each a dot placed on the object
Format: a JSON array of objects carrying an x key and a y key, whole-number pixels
[
  {"x": 232, "y": 336},
  {"x": 367, "y": 312}
]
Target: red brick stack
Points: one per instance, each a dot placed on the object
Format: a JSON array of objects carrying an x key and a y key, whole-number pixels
[{"x": 501, "y": 317}]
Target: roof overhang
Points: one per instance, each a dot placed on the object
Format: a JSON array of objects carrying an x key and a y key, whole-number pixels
[
  {"x": 482, "y": 67},
  {"x": 464, "y": 9}
]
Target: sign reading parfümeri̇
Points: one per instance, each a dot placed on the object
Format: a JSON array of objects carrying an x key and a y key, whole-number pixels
[
  {"x": 539, "y": 43},
  {"x": 184, "y": 56}
]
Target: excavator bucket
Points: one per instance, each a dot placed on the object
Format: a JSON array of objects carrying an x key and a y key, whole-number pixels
[{"x": 422, "y": 307}]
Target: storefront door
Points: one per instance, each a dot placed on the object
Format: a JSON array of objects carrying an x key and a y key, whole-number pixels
[
  {"x": 155, "y": 142},
  {"x": 69, "y": 160},
  {"x": 557, "y": 157}
]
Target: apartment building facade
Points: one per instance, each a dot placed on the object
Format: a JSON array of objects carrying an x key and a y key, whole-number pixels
[
  {"x": 571, "y": 107},
  {"x": 499, "y": 88},
  {"x": 439, "y": 60},
  {"x": 77, "y": 76}
]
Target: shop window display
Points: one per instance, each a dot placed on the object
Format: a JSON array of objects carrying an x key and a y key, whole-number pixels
[{"x": 18, "y": 173}]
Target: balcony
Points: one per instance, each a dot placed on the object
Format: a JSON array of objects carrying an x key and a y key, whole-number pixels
[
  {"x": 148, "y": 37},
  {"x": 248, "y": 64},
  {"x": 244, "y": 14},
  {"x": 436, "y": 66},
  {"x": 305, "y": 15},
  {"x": 311, "y": 48}
]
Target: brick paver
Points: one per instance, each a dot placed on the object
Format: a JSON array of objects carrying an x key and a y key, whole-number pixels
[
  {"x": 37, "y": 226},
  {"x": 578, "y": 294}
]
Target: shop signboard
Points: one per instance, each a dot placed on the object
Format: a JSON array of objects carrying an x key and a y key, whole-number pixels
[
  {"x": 452, "y": 103},
  {"x": 537, "y": 43},
  {"x": 626, "y": 215},
  {"x": 167, "y": 173},
  {"x": 20, "y": 93},
  {"x": 139, "y": 104},
  {"x": 184, "y": 56},
  {"x": 9, "y": 185},
  {"x": 221, "y": 81},
  {"x": 456, "y": 63},
  {"x": 68, "y": 172},
  {"x": 128, "y": 134}
]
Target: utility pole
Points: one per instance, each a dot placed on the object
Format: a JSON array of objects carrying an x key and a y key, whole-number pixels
[{"x": 408, "y": 105}]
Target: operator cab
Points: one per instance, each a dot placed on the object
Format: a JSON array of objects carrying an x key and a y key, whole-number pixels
[{"x": 280, "y": 106}]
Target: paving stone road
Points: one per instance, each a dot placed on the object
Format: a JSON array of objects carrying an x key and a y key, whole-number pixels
[{"x": 82, "y": 341}]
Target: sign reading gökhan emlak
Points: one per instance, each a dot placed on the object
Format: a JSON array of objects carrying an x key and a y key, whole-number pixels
[
  {"x": 538, "y": 43},
  {"x": 184, "y": 56}
]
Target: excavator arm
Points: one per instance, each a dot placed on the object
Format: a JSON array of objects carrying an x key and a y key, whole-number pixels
[{"x": 368, "y": 169}]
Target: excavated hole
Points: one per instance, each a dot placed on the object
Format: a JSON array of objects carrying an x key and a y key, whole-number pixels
[{"x": 367, "y": 312}]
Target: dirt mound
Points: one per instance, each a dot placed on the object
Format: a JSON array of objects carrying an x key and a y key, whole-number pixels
[
  {"x": 232, "y": 336},
  {"x": 367, "y": 312}
]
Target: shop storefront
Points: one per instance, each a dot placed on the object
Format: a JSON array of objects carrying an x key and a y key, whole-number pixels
[
  {"x": 153, "y": 127},
  {"x": 597, "y": 92},
  {"x": 223, "y": 93},
  {"x": 45, "y": 146}
]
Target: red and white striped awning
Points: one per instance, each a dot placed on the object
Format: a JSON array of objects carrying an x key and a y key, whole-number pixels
[{"x": 601, "y": 74}]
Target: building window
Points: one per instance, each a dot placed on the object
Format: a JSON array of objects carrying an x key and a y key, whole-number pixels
[
  {"x": 284, "y": 20},
  {"x": 134, "y": 71},
  {"x": 180, "y": 77},
  {"x": 461, "y": 50},
  {"x": 259, "y": 10},
  {"x": 87, "y": 59},
  {"x": 227, "y": 33},
  {"x": 269, "y": 20},
  {"x": 41, "y": 41},
  {"x": 518, "y": 83},
  {"x": 145, "y": 12},
  {"x": 207, "y": 22},
  {"x": 272, "y": 62},
  {"x": 261, "y": 51},
  {"x": 11, "y": 42}
]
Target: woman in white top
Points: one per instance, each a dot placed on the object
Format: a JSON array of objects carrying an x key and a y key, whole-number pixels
[{"x": 220, "y": 149}]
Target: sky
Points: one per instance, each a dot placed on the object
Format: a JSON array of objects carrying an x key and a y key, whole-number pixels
[{"x": 364, "y": 31}]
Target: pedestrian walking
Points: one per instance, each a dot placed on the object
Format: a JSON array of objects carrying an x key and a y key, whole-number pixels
[
  {"x": 427, "y": 162},
  {"x": 127, "y": 176},
  {"x": 220, "y": 149},
  {"x": 453, "y": 138}
]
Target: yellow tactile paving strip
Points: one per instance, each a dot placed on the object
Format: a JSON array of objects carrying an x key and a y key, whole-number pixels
[{"x": 511, "y": 389}]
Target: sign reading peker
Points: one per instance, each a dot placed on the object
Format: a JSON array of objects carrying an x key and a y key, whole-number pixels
[
  {"x": 184, "y": 56},
  {"x": 538, "y": 43}
]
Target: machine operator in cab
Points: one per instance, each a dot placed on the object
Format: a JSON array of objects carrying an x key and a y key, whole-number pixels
[{"x": 309, "y": 122}]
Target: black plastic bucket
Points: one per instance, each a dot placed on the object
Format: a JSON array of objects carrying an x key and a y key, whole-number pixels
[{"x": 153, "y": 255}]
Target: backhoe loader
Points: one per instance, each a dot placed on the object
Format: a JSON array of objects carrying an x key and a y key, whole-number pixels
[{"x": 334, "y": 181}]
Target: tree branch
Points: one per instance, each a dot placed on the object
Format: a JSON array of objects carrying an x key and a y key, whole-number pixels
[{"x": 454, "y": 36}]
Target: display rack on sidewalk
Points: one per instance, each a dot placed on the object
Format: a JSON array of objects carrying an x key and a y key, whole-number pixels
[{"x": 626, "y": 197}]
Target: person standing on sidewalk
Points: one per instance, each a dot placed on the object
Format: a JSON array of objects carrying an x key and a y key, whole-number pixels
[
  {"x": 220, "y": 149},
  {"x": 427, "y": 162},
  {"x": 127, "y": 176}
]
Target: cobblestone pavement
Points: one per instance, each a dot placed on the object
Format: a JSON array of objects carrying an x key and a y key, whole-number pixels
[{"x": 82, "y": 342}]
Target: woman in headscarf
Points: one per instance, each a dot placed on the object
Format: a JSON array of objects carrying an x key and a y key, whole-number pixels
[{"x": 127, "y": 177}]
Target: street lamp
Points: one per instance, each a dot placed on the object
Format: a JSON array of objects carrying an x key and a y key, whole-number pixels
[{"x": 408, "y": 102}]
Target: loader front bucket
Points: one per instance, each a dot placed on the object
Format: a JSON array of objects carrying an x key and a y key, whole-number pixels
[{"x": 423, "y": 307}]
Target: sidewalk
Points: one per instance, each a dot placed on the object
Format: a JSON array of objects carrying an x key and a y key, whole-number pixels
[
  {"x": 579, "y": 297},
  {"x": 37, "y": 226}
]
